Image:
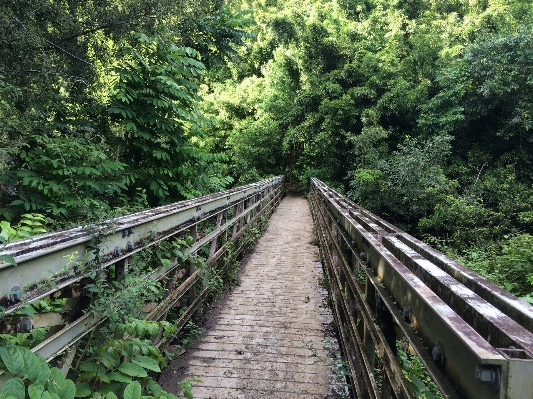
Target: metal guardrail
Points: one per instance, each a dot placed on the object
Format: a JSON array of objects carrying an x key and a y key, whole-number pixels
[
  {"x": 214, "y": 221},
  {"x": 475, "y": 339}
]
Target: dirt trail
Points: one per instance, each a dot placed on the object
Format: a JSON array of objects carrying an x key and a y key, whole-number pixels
[{"x": 256, "y": 347}]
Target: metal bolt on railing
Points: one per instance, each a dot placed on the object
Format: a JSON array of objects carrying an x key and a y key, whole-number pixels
[
  {"x": 488, "y": 375},
  {"x": 25, "y": 325},
  {"x": 128, "y": 232},
  {"x": 437, "y": 353},
  {"x": 407, "y": 314},
  {"x": 16, "y": 294}
]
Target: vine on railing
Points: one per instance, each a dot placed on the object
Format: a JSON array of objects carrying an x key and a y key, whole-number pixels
[{"x": 121, "y": 352}]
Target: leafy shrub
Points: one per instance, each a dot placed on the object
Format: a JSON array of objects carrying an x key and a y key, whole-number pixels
[
  {"x": 407, "y": 184},
  {"x": 65, "y": 177}
]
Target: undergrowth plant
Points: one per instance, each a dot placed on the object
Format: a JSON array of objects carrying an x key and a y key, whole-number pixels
[
  {"x": 121, "y": 370},
  {"x": 118, "y": 359},
  {"x": 419, "y": 380},
  {"x": 29, "y": 225}
]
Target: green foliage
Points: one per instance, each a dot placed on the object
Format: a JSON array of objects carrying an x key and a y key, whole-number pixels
[
  {"x": 118, "y": 301},
  {"x": 31, "y": 374},
  {"x": 419, "y": 380},
  {"x": 124, "y": 369},
  {"x": 155, "y": 100},
  {"x": 407, "y": 184},
  {"x": 71, "y": 139},
  {"x": 30, "y": 224},
  {"x": 27, "y": 340},
  {"x": 223, "y": 33},
  {"x": 462, "y": 221},
  {"x": 420, "y": 110},
  {"x": 65, "y": 176},
  {"x": 145, "y": 329},
  {"x": 510, "y": 264},
  {"x": 106, "y": 365}
]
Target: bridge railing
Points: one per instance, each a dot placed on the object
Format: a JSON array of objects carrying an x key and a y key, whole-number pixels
[
  {"x": 475, "y": 339},
  {"x": 48, "y": 265}
]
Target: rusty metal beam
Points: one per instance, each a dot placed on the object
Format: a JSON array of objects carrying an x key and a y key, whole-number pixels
[
  {"x": 466, "y": 334},
  {"x": 48, "y": 253},
  {"x": 270, "y": 191}
]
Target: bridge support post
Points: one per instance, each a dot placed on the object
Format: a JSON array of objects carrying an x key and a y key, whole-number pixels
[
  {"x": 121, "y": 268},
  {"x": 192, "y": 265},
  {"x": 237, "y": 224},
  {"x": 214, "y": 243},
  {"x": 224, "y": 235},
  {"x": 250, "y": 203},
  {"x": 368, "y": 343}
]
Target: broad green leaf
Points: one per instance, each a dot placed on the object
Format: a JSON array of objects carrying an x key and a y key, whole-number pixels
[
  {"x": 68, "y": 391},
  {"x": 417, "y": 385},
  {"x": 57, "y": 377},
  {"x": 93, "y": 370},
  {"x": 35, "y": 391},
  {"x": 147, "y": 363},
  {"x": 23, "y": 234},
  {"x": 27, "y": 310},
  {"x": 12, "y": 358},
  {"x": 133, "y": 391},
  {"x": 32, "y": 366},
  {"x": 8, "y": 259},
  {"x": 154, "y": 388},
  {"x": 89, "y": 367},
  {"x": 186, "y": 386},
  {"x": 120, "y": 377},
  {"x": 109, "y": 358},
  {"x": 45, "y": 373},
  {"x": 57, "y": 383},
  {"x": 83, "y": 390},
  {"x": 133, "y": 370},
  {"x": 14, "y": 387}
]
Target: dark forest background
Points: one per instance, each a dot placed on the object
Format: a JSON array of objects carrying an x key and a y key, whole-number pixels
[{"x": 419, "y": 110}]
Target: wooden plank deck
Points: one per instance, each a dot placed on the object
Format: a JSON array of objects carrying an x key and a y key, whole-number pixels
[{"x": 257, "y": 345}]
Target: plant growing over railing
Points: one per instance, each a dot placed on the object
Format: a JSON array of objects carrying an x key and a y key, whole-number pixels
[
  {"x": 108, "y": 365},
  {"x": 31, "y": 374},
  {"x": 414, "y": 371},
  {"x": 126, "y": 367},
  {"x": 118, "y": 370},
  {"x": 119, "y": 356},
  {"x": 30, "y": 224}
]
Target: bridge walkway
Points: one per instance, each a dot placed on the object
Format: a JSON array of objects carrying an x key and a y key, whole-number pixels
[{"x": 256, "y": 347}]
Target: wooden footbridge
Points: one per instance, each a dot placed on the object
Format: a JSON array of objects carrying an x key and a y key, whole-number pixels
[{"x": 275, "y": 335}]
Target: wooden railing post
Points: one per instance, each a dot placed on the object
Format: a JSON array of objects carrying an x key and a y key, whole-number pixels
[{"x": 192, "y": 265}]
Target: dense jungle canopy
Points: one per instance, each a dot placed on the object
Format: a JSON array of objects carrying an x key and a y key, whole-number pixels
[{"x": 420, "y": 110}]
